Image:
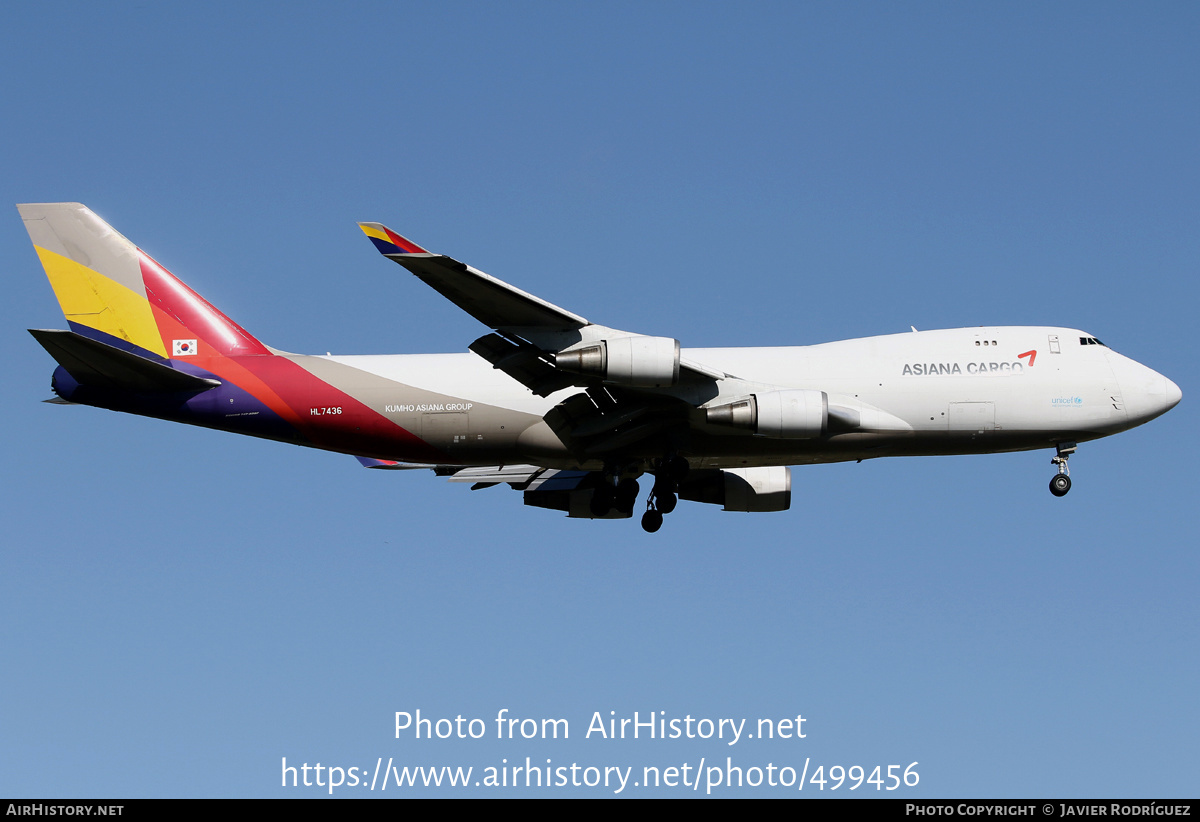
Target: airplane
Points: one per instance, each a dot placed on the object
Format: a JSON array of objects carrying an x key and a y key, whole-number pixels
[{"x": 570, "y": 412}]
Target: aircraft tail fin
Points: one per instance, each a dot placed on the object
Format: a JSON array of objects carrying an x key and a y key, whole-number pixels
[{"x": 114, "y": 293}]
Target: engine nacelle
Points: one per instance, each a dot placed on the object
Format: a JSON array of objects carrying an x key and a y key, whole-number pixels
[
  {"x": 743, "y": 489},
  {"x": 644, "y": 362},
  {"x": 569, "y": 491},
  {"x": 793, "y": 413}
]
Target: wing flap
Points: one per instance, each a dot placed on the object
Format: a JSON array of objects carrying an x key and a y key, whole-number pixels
[
  {"x": 516, "y": 475},
  {"x": 524, "y": 363}
]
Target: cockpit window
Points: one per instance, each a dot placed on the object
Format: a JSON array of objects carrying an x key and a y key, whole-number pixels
[{"x": 1090, "y": 341}]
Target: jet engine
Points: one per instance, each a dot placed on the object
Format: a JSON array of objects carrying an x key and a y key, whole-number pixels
[
  {"x": 793, "y": 413},
  {"x": 583, "y": 494},
  {"x": 642, "y": 362},
  {"x": 742, "y": 489}
]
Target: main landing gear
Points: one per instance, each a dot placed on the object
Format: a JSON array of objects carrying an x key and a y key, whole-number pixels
[
  {"x": 1061, "y": 483},
  {"x": 663, "y": 498},
  {"x": 607, "y": 496}
]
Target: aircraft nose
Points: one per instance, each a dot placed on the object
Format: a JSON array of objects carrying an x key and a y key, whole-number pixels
[
  {"x": 1146, "y": 392},
  {"x": 1173, "y": 394}
]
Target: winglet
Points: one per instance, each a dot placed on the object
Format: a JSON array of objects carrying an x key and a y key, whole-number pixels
[{"x": 389, "y": 242}]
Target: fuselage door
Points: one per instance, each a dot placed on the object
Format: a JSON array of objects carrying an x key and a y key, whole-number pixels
[{"x": 972, "y": 417}]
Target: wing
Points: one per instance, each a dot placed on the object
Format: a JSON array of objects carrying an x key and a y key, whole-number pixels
[
  {"x": 494, "y": 303},
  {"x": 635, "y": 394},
  {"x": 544, "y": 347}
]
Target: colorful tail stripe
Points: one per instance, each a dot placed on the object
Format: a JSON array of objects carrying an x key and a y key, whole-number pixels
[
  {"x": 195, "y": 316},
  {"x": 388, "y": 241},
  {"x": 112, "y": 309}
]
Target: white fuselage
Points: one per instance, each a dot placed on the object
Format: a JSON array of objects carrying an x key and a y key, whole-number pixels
[{"x": 969, "y": 390}]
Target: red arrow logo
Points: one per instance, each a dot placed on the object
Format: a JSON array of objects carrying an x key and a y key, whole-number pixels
[{"x": 1032, "y": 355}]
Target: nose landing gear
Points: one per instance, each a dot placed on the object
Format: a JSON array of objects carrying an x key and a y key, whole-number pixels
[{"x": 1061, "y": 483}]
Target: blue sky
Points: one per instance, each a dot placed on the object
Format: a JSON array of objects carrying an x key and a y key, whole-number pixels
[{"x": 181, "y": 609}]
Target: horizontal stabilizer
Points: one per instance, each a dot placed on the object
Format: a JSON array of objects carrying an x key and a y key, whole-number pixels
[
  {"x": 393, "y": 465},
  {"x": 99, "y": 365}
]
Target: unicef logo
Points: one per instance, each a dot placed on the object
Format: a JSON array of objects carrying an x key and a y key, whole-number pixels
[{"x": 1067, "y": 401}]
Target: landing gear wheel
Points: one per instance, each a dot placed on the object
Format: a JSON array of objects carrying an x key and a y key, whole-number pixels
[
  {"x": 651, "y": 521},
  {"x": 1060, "y": 485},
  {"x": 665, "y": 503}
]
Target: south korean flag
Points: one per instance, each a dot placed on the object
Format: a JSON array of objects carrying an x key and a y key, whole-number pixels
[{"x": 183, "y": 348}]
